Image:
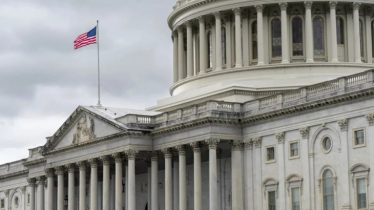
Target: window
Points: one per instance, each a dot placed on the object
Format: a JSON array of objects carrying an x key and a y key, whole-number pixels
[
  {"x": 210, "y": 49},
  {"x": 28, "y": 198},
  {"x": 270, "y": 154},
  {"x": 223, "y": 38},
  {"x": 297, "y": 37},
  {"x": 276, "y": 38},
  {"x": 318, "y": 35},
  {"x": 340, "y": 30},
  {"x": 328, "y": 190},
  {"x": 361, "y": 193},
  {"x": 295, "y": 198},
  {"x": 16, "y": 201},
  {"x": 326, "y": 144},
  {"x": 272, "y": 205},
  {"x": 2, "y": 204},
  {"x": 359, "y": 137},
  {"x": 294, "y": 149},
  {"x": 254, "y": 40}
]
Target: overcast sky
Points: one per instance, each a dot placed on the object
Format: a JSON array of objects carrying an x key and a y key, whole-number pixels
[{"x": 43, "y": 79}]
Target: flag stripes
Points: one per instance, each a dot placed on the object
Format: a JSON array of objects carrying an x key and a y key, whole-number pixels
[{"x": 85, "y": 39}]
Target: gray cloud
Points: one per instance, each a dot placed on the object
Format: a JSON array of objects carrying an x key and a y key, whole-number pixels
[{"x": 43, "y": 79}]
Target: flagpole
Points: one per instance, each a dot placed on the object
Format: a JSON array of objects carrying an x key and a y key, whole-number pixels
[{"x": 98, "y": 64}]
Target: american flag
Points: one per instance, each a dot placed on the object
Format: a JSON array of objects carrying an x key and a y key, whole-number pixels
[{"x": 85, "y": 39}]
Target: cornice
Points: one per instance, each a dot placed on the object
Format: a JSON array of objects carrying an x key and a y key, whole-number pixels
[
  {"x": 35, "y": 162},
  {"x": 14, "y": 175}
]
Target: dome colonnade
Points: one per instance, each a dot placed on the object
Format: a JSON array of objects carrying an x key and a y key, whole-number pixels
[{"x": 207, "y": 41}]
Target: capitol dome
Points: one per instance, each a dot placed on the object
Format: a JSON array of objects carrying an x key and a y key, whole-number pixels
[{"x": 280, "y": 45}]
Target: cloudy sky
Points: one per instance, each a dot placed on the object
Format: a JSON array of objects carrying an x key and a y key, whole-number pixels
[{"x": 43, "y": 79}]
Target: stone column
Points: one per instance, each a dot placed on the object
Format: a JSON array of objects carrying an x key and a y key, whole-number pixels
[
  {"x": 237, "y": 175},
  {"x": 189, "y": 49},
  {"x": 154, "y": 180},
  {"x": 203, "y": 46},
  {"x": 71, "y": 186},
  {"x": 370, "y": 132},
  {"x": 118, "y": 183},
  {"x": 31, "y": 182},
  {"x": 106, "y": 182},
  {"x": 175, "y": 56},
  {"x": 175, "y": 181},
  {"x": 228, "y": 40},
  {"x": 249, "y": 174},
  {"x": 356, "y": 29},
  {"x": 245, "y": 28},
  {"x": 334, "y": 42},
  {"x": 93, "y": 185},
  {"x": 304, "y": 149},
  {"x": 131, "y": 154},
  {"x": 257, "y": 171},
  {"x": 180, "y": 53},
  {"x": 182, "y": 177},
  {"x": 309, "y": 32},
  {"x": 281, "y": 173},
  {"x": 168, "y": 180},
  {"x": 369, "y": 38},
  {"x": 213, "y": 200},
  {"x": 260, "y": 35},
  {"x": 149, "y": 174},
  {"x": 82, "y": 185},
  {"x": 285, "y": 38},
  {"x": 50, "y": 183},
  {"x": 60, "y": 187},
  {"x": 127, "y": 182},
  {"x": 40, "y": 181},
  {"x": 238, "y": 38},
  {"x": 217, "y": 15},
  {"x": 196, "y": 146}
]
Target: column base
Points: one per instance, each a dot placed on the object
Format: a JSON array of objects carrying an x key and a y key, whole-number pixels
[
  {"x": 218, "y": 69},
  {"x": 346, "y": 207},
  {"x": 310, "y": 61},
  {"x": 371, "y": 206},
  {"x": 358, "y": 61},
  {"x": 285, "y": 62},
  {"x": 202, "y": 72},
  {"x": 188, "y": 76},
  {"x": 260, "y": 63},
  {"x": 335, "y": 61},
  {"x": 238, "y": 66}
]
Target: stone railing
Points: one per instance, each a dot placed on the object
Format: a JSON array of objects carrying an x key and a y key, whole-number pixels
[
  {"x": 181, "y": 3},
  {"x": 231, "y": 110}
]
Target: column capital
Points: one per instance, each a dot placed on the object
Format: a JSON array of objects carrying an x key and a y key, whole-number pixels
[
  {"x": 201, "y": 19},
  {"x": 148, "y": 161},
  {"x": 245, "y": 13},
  {"x": 70, "y": 167},
  {"x": 333, "y": 4},
  {"x": 257, "y": 141},
  {"x": 180, "y": 29},
  {"x": 31, "y": 181},
  {"x": 82, "y": 165},
  {"x": 131, "y": 154},
  {"x": 236, "y": 145},
  {"x": 343, "y": 124},
  {"x": 283, "y": 5},
  {"x": 237, "y": 11},
  {"x": 356, "y": 5},
  {"x": 40, "y": 180},
  {"x": 168, "y": 153},
  {"x": 6, "y": 192},
  {"x": 304, "y": 132},
  {"x": 368, "y": 10},
  {"x": 153, "y": 155},
  {"x": 196, "y": 146},
  {"x": 260, "y": 8},
  {"x": 212, "y": 143},
  {"x": 60, "y": 170},
  {"x": 118, "y": 157},
  {"x": 217, "y": 15},
  {"x": 181, "y": 149},
  {"x": 248, "y": 144},
  {"x": 227, "y": 16},
  {"x": 105, "y": 159},
  {"x": 23, "y": 189},
  {"x": 49, "y": 172},
  {"x": 188, "y": 23},
  {"x": 370, "y": 118},
  {"x": 308, "y": 4},
  {"x": 280, "y": 137},
  {"x": 92, "y": 162}
]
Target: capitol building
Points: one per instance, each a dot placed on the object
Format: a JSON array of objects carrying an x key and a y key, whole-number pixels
[{"x": 271, "y": 108}]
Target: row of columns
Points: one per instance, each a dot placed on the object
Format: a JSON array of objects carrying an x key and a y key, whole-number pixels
[{"x": 203, "y": 62}]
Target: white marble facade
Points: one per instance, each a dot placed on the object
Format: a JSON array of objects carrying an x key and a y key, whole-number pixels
[{"x": 248, "y": 132}]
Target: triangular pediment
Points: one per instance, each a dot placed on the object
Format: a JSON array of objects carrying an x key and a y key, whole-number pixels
[{"x": 83, "y": 126}]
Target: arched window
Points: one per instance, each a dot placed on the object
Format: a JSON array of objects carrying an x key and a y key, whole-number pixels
[
  {"x": 223, "y": 38},
  {"x": 361, "y": 39},
  {"x": 297, "y": 37},
  {"x": 318, "y": 35},
  {"x": 276, "y": 33},
  {"x": 328, "y": 190},
  {"x": 210, "y": 49},
  {"x": 254, "y": 40},
  {"x": 340, "y": 30}
]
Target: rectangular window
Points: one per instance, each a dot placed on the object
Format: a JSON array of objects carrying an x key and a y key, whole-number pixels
[
  {"x": 359, "y": 137},
  {"x": 270, "y": 153},
  {"x": 295, "y": 199},
  {"x": 272, "y": 205},
  {"x": 2, "y": 204},
  {"x": 361, "y": 193},
  {"x": 294, "y": 148},
  {"x": 28, "y": 198}
]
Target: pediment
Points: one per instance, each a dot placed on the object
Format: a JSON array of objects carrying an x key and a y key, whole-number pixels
[{"x": 81, "y": 127}]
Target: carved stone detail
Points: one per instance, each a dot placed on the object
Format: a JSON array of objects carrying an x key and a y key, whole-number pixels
[
  {"x": 188, "y": 23},
  {"x": 237, "y": 11},
  {"x": 153, "y": 155},
  {"x": 181, "y": 149},
  {"x": 168, "y": 153},
  {"x": 217, "y": 15},
  {"x": 40, "y": 180},
  {"x": 118, "y": 157},
  {"x": 201, "y": 19},
  {"x": 196, "y": 146},
  {"x": 60, "y": 170},
  {"x": 31, "y": 181},
  {"x": 356, "y": 5},
  {"x": 260, "y": 8},
  {"x": 82, "y": 165},
  {"x": 333, "y": 4},
  {"x": 308, "y": 4},
  {"x": 92, "y": 162},
  {"x": 105, "y": 159},
  {"x": 304, "y": 132},
  {"x": 370, "y": 118},
  {"x": 212, "y": 143},
  {"x": 248, "y": 144},
  {"x": 257, "y": 141},
  {"x": 84, "y": 132},
  {"x": 70, "y": 167},
  {"x": 131, "y": 154},
  {"x": 283, "y": 5},
  {"x": 280, "y": 137},
  {"x": 236, "y": 145},
  {"x": 23, "y": 189},
  {"x": 343, "y": 123},
  {"x": 49, "y": 172},
  {"x": 148, "y": 162},
  {"x": 6, "y": 192}
]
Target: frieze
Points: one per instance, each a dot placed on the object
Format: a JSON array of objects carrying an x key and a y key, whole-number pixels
[
  {"x": 85, "y": 130},
  {"x": 13, "y": 175},
  {"x": 34, "y": 162}
]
